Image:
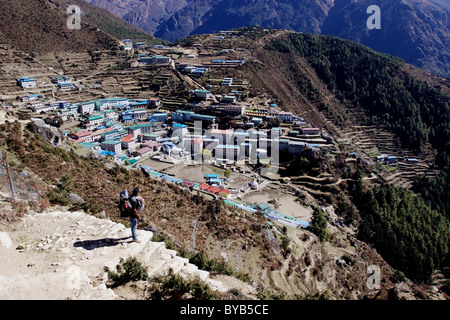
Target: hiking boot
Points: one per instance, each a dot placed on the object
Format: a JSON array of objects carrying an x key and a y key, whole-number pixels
[{"x": 136, "y": 240}]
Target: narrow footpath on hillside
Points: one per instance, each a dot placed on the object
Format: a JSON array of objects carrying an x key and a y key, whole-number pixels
[{"x": 58, "y": 255}]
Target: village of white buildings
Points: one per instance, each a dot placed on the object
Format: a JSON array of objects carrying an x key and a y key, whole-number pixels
[{"x": 146, "y": 134}]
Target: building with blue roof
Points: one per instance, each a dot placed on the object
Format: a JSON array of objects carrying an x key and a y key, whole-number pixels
[
  {"x": 26, "y": 82},
  {"x": 160, "y": 117},
  {"x": 391, "y": 159},
  {"x": 181, "y": 116},
  {"x": 107, "y": 153}
]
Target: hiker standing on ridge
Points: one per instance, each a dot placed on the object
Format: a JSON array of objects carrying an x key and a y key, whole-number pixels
[{"x": 137, "y": 204}]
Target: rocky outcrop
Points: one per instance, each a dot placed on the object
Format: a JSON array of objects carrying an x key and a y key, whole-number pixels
[{"x": 49, "y": 133}]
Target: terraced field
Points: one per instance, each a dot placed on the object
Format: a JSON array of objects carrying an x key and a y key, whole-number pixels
[{"x": 369, "y": 142}]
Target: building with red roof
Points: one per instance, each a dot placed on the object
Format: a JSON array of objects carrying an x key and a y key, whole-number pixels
[
  {"x": 214, "y": 189},
  {"x": 224, "y": 193},
  {"x": 82, "y": 136},
  {"x": 204, "y": 187}
]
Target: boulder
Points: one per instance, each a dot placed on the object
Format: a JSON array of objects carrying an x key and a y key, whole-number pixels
[
  {"x": 49, "y": 133},
  {"x": 75, "y": 198}
]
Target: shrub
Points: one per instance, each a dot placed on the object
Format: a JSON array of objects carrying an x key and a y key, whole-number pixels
[
  {"x": 213, "y": 265},
  {"x": 126, "y": 271},
  {"x": 174, "y": 287},
  {"x": 285, "y": 247},
  {"x": 91, "y": 206}
]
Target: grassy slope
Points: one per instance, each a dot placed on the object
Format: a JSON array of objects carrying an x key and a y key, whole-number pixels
[{"x": 38, "y": 25}]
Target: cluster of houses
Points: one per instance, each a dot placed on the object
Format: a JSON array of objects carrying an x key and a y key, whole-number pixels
[
  {"x": 96, "y": 111},
  {"x": 115, "y": 124},
  {"x": 389, "y": 159},
  {"x": 234, "y": 62},
  {"x": 247, "y": 141},
  {"x": 199, "y": 70},
  {"x": 208, "y": 187},
  {"x": 128, "y": 45},
  {"x": 123, "y": 126},
  {"x": 228, "y": 146},
  {"x": 62, "y": 83},
  {"x": 145, "y": 60}
]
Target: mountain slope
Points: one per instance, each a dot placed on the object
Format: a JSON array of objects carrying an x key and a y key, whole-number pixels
[
  {"x": 380, "y": 84},
  {"x": 218, "y": 228},
  {"x": 313, "y": 76},
  {"x": 107, "y": 22},
  {"x": 208, "y": 16},
  {"x": 38, "y": 25},
  {"x": 146, "y": 14},
  {"x": 415, "y": 30}
]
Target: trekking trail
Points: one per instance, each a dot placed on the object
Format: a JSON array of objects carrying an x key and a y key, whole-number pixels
[{"x": 59, "y": 255}]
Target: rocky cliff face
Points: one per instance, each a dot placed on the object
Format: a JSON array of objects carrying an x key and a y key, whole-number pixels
[
  {"x": 146, "y": 14},
  {"x": 49, "y": 133}
]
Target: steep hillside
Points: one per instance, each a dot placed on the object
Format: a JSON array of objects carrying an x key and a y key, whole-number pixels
[
  {"x": 39, "y": 26},
  {"x": 206, "y": 16},
  {"x": 370, "y": 102},
  {"x": 415, "y": 30},
  {"x": 294, "y": 264},
  {"x": 146, "y": 14},
  {"x": 361, "y": 97},
  {"x": 107, "y": 22}
]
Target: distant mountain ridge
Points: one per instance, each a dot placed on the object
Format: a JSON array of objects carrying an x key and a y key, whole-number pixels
[
  {"x": 207, "y": 16},
  {"x": 146, "y": 14},
  {"x": 415, "y": 30}
]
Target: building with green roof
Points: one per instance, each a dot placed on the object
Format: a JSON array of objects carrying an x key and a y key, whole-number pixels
[{"x": 112, "y": 146}]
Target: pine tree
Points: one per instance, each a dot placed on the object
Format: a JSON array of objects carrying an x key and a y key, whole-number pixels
[{"x": 319, "y": 225}]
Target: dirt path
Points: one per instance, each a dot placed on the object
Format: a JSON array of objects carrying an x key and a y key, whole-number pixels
[{"x": 58, "y": 255}]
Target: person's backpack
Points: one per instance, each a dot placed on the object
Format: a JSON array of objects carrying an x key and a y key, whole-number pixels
[
  {"x": 139, "y": 203},
  {"x": 125, "y": 205}
]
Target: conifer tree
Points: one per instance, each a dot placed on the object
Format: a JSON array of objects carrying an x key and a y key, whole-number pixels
[{"x": 319, "y": 224}]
